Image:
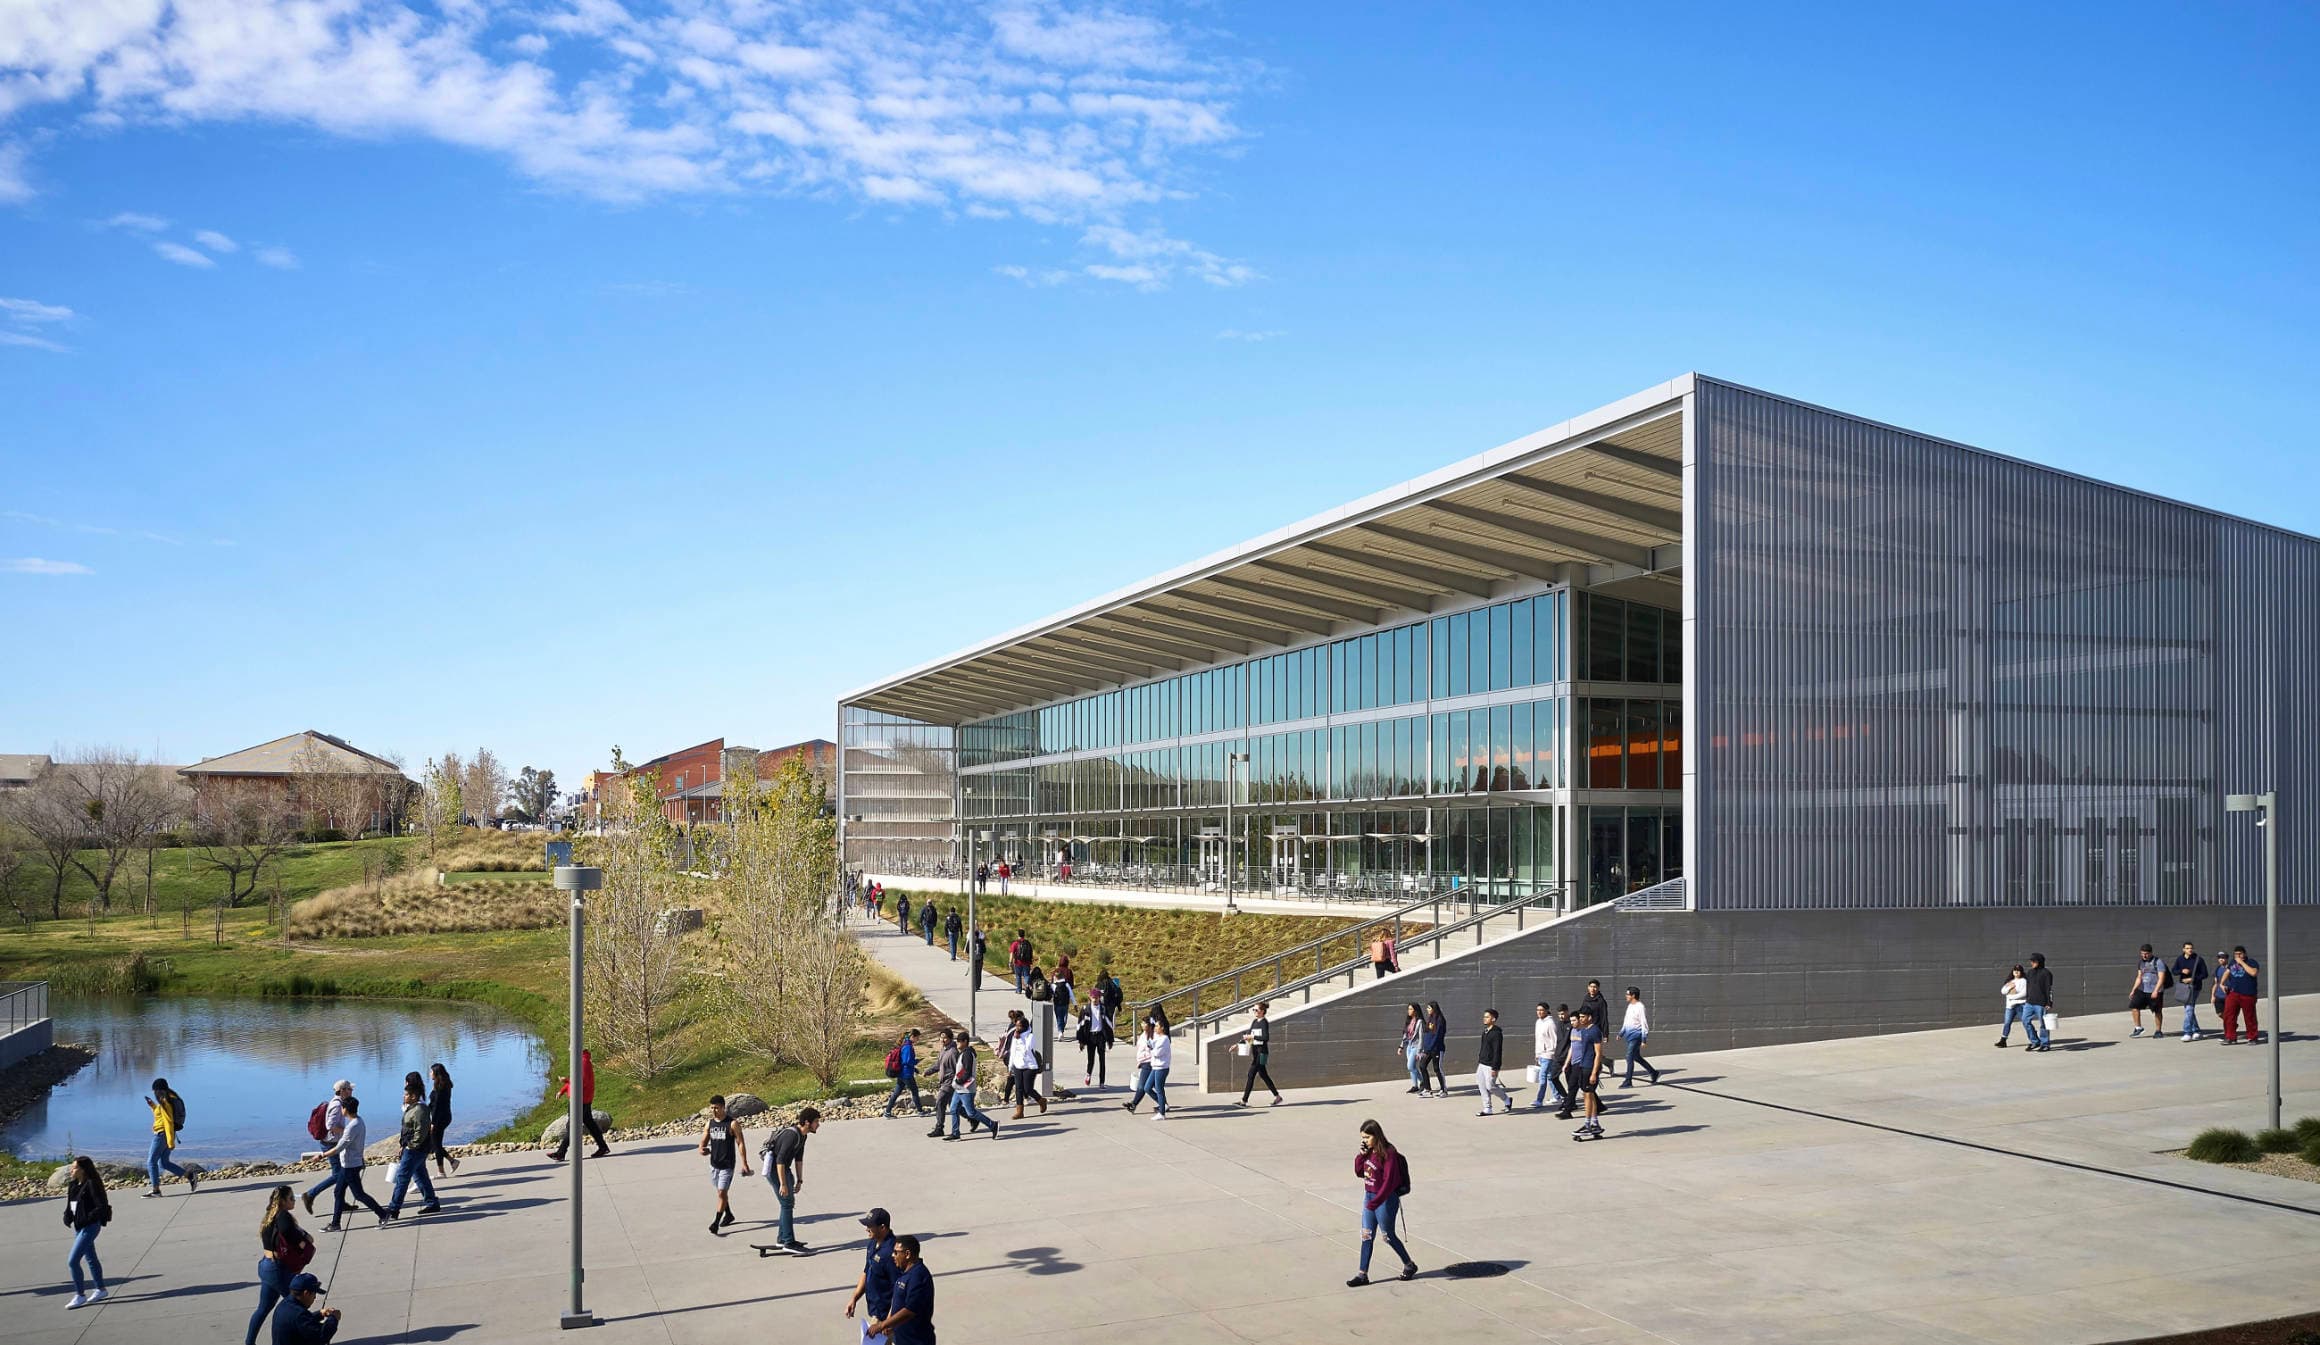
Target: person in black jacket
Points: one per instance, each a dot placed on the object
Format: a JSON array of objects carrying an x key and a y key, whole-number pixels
[
  {"x": 1597, "y": 1006},
  {"x": 952, "y": 925},
  {"x": 87, "y": 1209},
  {"x": 2037, "y": 1003},
  {"x": 1487, "y": 1063},
  {"x": 295, "y": 1320},
  {"x": 1259, "y": 1040},
  {"x": 2189, "y": 974},
  {"x": 439, "y": 1115}
]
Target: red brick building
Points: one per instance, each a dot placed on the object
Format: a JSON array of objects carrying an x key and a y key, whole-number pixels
[{"x": 691, "y": 780}]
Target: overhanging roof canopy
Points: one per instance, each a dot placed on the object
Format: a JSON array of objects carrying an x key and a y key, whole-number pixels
[{"x": 1603, "y": 492}]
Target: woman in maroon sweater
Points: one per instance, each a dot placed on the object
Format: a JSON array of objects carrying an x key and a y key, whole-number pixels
[{"x": 1385, "y": 1179}]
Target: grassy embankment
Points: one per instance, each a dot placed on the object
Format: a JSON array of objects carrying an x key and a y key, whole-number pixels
[{"x": 1152, "y": 950}]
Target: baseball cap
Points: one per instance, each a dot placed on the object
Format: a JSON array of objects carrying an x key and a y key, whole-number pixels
[
  {"x": 876, "y": 1218},
  {"x": 302, "y": 1282}
]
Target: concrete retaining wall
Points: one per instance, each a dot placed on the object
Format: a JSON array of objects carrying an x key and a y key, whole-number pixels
[
  {"x": 1715, "y": 980},
  {"x": 26, "y": 1042}
]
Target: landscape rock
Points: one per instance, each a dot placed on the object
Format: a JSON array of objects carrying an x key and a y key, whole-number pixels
[
  {"x": 554, "y": 1134},
  {"x": 739, "y": 1106}
]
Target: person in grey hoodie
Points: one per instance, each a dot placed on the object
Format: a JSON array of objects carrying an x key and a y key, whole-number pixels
[
  {"x": 946, "y": 1066},
  {"x": 347, "y": 1157}
]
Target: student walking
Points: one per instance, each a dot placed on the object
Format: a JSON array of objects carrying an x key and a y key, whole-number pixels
[
  {"x": 2147, "y": 989},
  {"x": 2037, "y": 1003},
  {"x": 295, "y": 1320},
  {"x": 284, "y": 1249},
  {"x": 902, "y": 911},
  {"x": 1596, "y": 1006},
  {"x": 1381, "y": 956},
  {"x": 2241, "y": 980},
  {"x": 1023, "y": 1059},
  {"x": 1489, "y": 1059},
  {"x": 909, "y": 1315},
  {"x": 1257, "y": 1043},
  {"x": 1413, "y": 1034},
  {"x": 418, "y": 1140},
  {"x": 877, "y": 1280},
  {"x": 1385, "y": 1179},
  {"x": 952, "y": 925},
  {"x": 1584, "y": 1074},
  {"x": 587, "y": 1110},
  {"x": 1433, "y": 1041},
  {"x": 1550, "y": 1039},
  {"x": 963, "y": 1095},
  {"x": 168, "y": 1118},
  {"x": 87, "y": 1209},
  {"x": 1019, "y": 957},
  {"x": 1006, "y": 871},
  {"x": 1094, "y": 1035},
  {"x": 902, "y": 1067},
  {"x": 325, "y": 1123},
  {"x": 1154, "y": 1054},
  {"x": 439, "y": 1116},
  {"x": 946, "y": 1067},
  {"x": 785, "y": 1170},
  {"x": 926, "y": 921},
  {"x": 2222, "y": 992},
  {"x": 1635, "y": 1030},
  {"x": 1059, "y": 986},
  {"x": 2188, "y": 974},
  {"x": 722, "y": 1142},
  {"x": 977, "y": 945},
  {"x": 2015, "y": 991},
  {"x": 347, "y": 1155}
]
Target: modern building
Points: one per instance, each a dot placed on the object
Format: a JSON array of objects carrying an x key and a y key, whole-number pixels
[{"x": 1803, "y": 661}]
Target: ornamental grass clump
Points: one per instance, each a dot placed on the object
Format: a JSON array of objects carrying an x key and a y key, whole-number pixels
[
  {"x": 2223, "y": 1145},
  {"x": 2278, "y": 1141}
]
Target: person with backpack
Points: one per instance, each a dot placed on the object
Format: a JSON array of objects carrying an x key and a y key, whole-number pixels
[
  {"x": 2147, "y": 989},
  {"x": 2038, "y": 1004},
  {"x": 168, "y": 1119},
  {"x": 952, "y": 926},
  {"x": 1385, "y": 1179},
  {"x": 1489, "y": 1062},
  {"x": 87, "y": 1209},
  {"x": 418, "y": 1140},
  {"x": 963, "y": 1094},
  {"x": 902, "y": 1067},
  {"x": 926, "y": 921},
  {"x": 785, "y": 1171},
  {"x": 1059, "y": 986},
  {"x": 587, "y": 1110},
  {"x": 902, "y": 911},
  {"x": 1019, "y": 957},
  {"x": 1114, "y": 995},
  {"x": 2188, "y": 974},
  {"x": 347, "y": 1156},
  {"x": 284, "y": 1249},
  {"x": 723, "y": 1143},
  {"x": 1094, "y": 1035},
  {"x": 325, "y": 1123}
]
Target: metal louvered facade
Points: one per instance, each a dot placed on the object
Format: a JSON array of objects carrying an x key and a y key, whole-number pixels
[{"x": 1928, "y": 676}]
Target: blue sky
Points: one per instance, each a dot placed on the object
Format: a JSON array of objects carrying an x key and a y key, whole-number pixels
[{"x": 550, "y": 375}]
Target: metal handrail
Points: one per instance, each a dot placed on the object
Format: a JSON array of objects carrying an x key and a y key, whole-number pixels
[
  {"x": 1313, "y": 946},
  {"x": 1352, "y": 969},
  {"x": 22, "y": 1003}
]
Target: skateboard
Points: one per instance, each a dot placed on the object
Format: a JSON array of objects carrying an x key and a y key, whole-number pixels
[{"x": 765, "y": 1249}]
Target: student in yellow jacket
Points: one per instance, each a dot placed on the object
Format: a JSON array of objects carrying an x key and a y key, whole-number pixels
[{"x": 167, "y": 1108}]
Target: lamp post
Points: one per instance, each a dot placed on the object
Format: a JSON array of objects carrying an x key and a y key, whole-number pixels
[
  {"x": 1230, "y": 759},
  {"x": 576, "y": 880},
  {"x": 2266, "y": 807}
]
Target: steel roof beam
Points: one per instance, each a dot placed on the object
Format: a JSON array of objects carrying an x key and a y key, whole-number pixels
[
  {"x": 1004, "y": 683},
  {"x": 1611, "y": 506},
  {"x": 1587, "y": 546},
  {"x": 1202, "y": 621},
  {"x": 1447, "y": 581},
  {"x": 1125, "y": 665},
  {"x": 1489, "y": 557},
  {"x": 1636, "y": 457},
  {"x": 1394, "y": 596},
  {"x": 1307, "y": 602},
  {"x": 1105, "y": 630},
  {"x": 1298, "y": 619}
]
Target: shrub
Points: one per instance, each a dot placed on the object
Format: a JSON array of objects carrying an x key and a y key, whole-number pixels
[
  {"x": 2307, "y": 1130},
  {"x": 2224, "y": 1145},
  {"x": 2311, "y": 1153},
  {"x": 128, "y": 975},
  {"x": 2278, "y": 1141}
]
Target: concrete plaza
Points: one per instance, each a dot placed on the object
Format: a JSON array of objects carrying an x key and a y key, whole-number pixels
[{"x": 1923, "y": 1188}]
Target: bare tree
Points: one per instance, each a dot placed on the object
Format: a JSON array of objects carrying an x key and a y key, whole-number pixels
[
  {"x": 438, "y": 802},
  {"x": 11, "y": 862},
  {"x": 55, "y": 830},
  {"x": 485, "y": 787},
  {"x": 125, "y": 800},
  {"x": 240, "y": 828},
  {"x": 634, "y": 959}
]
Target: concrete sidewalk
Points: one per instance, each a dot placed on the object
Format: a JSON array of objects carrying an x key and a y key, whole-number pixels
[{"x": 1912, "y": 1189}]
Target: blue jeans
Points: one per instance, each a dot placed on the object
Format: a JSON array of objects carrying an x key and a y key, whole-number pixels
[
  {"x": 157, "y": 1161},
  {"x": 1635, "y": 1039},
  {"x": 1381, "y": 1220},
  {"x": 350, "y": 1180},
  {"x": 2006, "y": 1025},
  {"x": 901, "y": 1081},
  {"x": 773, "y": 1178},
  {"x": 1547, "y": 1080},
  {"x": 1410, "y": 1058},
  {"x": 84, "y": 1248},
  {"x": 963, "y": 1106},
  {"x": 2034, "y": 1025},
  {"x": 1023, "y": 980},
  {"x": 954, "y": 942},
  {"x": 329, "y": 1182},
  {"x": 413, "y": 1164},
  {"x": 1160, "y": 1090},
  {"x": 2191, "y": 1017},
  {"x": 272, "y": 1285}
]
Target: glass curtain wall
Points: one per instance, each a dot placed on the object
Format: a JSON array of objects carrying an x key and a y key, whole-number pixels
[{"x": 895, "y": 777}]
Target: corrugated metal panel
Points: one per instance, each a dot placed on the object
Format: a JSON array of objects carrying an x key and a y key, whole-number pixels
[{"x": 1933, "y": 677}]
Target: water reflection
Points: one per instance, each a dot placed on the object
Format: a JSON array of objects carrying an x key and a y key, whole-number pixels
[{"x": 251, "y": 1069}]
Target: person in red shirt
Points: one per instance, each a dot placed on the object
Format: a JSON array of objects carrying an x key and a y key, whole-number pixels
[
  {"x": 587, "y": 1110},
  {"x": 1385, "y": 1178}
]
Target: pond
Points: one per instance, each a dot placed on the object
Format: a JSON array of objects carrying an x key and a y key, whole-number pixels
[{"x": 251, "y": 1069}]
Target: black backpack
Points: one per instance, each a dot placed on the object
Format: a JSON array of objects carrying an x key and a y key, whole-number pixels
[
  {"x": 1040, "y": 989},
  {"x": 1405, "y": 1186},
  {"x": 176, "y": 1111}
]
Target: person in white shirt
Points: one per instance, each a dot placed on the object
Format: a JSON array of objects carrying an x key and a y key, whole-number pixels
[
  {"x": 1635, "y": 1029},
  {"x": 1547, "y": 1049},
  {"x": 1023, "y": 1059},
  {"x": 1164, "y": 1055},
  {"x": 347, "y": 1156},
  {"x": 2016, "y": 990}
]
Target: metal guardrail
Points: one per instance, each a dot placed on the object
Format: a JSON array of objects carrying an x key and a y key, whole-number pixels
[
  {"x": 1673, "y": 895},
  {"x": 22, "y": 1003},
  {"x": 1277, "y": 961},
  {"x": 1352, "y": 969}
]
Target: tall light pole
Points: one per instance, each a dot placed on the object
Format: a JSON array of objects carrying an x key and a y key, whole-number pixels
[
  {"x": 576, "y": 880},
  {"x": 1230, "y": 759},
  {"x": 2266, "y": 807}
]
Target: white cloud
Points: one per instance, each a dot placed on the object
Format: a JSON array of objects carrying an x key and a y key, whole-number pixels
[
  {"x": 1236, "y": 334},
  {"x": 215, "y": 241},
  {"x": 33, "y": 310},
  {"x": 183, "y": 255},
  {"x": 31, "y": 342},
  {"x": 35, "y": 565},
  {"x": 20, "y": 324},
  {"x": 137, "y": 221},
  {"x": 14, "y": 185},
  {"x": 1057, "y": 112},
  {"x": 281, "y": 259}
]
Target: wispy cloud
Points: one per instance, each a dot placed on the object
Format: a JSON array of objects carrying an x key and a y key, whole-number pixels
[
  {"x": 91, "y": 529},
  {"x": 22, "y": 322},
  {"x": 137, "y": 222},
  {"x": 35, "y": 565},
  {"x": 648, "y": 289},
  {"x": 1077, "y": 113},
  {"x": 281, "y": 259},
  {"x": 1146, "y": 259},
  {"x": 1236, "y": 334},
  {"x": 15, "y": 186},
  {"x": 183, "y": 255},
  {"x": 215, "y": 241}
]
